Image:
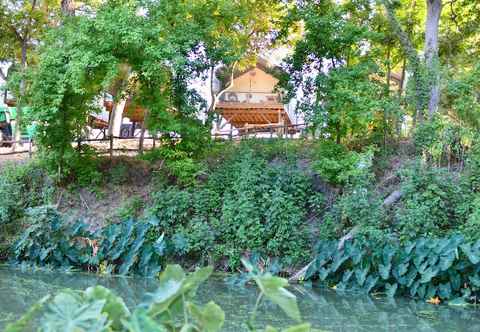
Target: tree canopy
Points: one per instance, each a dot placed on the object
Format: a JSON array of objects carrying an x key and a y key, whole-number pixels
[{"x": 360, "y": 70}]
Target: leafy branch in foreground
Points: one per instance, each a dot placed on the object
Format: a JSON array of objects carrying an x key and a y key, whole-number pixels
[{"x": 170, "y": 308}]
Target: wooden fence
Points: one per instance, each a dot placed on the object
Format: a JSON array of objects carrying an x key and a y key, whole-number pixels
[
  {"x": 266, "y": 131},
  {"x": 270, "y": 131}
]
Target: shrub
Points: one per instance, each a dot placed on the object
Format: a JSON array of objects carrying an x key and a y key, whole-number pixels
[
  {"x": 471, "y": 228},
  {"x": 123, "y": 248},
  {"x": 247, "y": 203},
  {"x": 430, "y": 202},
  {"x": 426, "y": 268},
  {"x": 21, "y": 187},
  {"x": 334, "y": 162},
  {"x": 180, "y": 165},
  {"x": 359, "y": 204}
]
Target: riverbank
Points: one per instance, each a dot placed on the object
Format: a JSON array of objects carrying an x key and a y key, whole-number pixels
[{"x": 273, "y": 201}]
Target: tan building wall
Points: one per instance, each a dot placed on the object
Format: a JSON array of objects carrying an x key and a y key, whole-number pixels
[
  {"x": 254, "y": 86},
  {"x": 255, "y": 80}
]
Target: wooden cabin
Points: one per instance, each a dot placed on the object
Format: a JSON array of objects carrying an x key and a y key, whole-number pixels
[{"x": 251, "y": 102}]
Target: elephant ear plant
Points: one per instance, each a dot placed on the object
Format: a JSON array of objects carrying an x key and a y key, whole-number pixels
[{"x": 170, "y": 308}]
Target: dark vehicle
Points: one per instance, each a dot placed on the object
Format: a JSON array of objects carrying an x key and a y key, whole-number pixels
[
  {"x": 6, "y": 131},
  {"x": 128, "y": 129}
]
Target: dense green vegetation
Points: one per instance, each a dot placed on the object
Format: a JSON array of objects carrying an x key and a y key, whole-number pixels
[
  {"x": 170, "y": 308},
  {"x": 388, "y": 168},
  {"x": 426, "y": 268}
]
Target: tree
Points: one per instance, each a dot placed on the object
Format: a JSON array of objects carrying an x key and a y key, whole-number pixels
[
  {"x": 21, "y": 23},
  {"x": 434, "y": 9},
  {"x": 238, "y": 31},
  {"x": 338, "y": 77}
]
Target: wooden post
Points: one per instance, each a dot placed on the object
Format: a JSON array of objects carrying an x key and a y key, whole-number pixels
[
  {"x": 153, "y": 143},
  {"x": 141, "y": 139},
  {"x": 111, "y": 146},
  {"x": 30, "y": 147},
  {"x": 271, "y": 131}
]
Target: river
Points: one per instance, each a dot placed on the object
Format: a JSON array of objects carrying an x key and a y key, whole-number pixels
[{"x": 325, "y": 309}]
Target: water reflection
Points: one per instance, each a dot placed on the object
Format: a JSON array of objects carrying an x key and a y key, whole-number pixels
[{"x": 325, "y": 309}]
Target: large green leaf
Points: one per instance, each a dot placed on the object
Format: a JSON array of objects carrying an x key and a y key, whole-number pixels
[
  {"x": 170, "y": 288},
  {"x": 445, "y": 290},
  {"x": 388, "y": 253},
  {"x": 446, "y": 261},
  {"x": 139, "y": 321},
  {"x": 160, "y": 245},
  {"x": 209, "y": 318},
  {"x": 114, "y": 307},
  {"x": 370, "y": 283},
  {"x": 24, "y": 322},
  {"x": 442, "y": 244},
  {"x": 391, "y": 289},
  {"x": 338, "y": 260},
  {"x": 274, "y": 289},
  {"x": 475, "y": 280},
  {"x": 121, "y": 244},
  {"x": 298, "y": 328},
  {"x": 384, "y": 270},
  {"x": 347, "y": 275},
  {"x": 70, "y": 313},
  {"x": 323, "y": 273},
  {"x": 414, "y": 288},
  {"x": 472, "y": 254},
  {"x": 428, "y": 274},
  {"x": 361, "y": 275},
  {"x": 402, "y": 268}
]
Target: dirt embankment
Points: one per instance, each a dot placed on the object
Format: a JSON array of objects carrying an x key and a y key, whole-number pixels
[{"x": 126, "y": 190}]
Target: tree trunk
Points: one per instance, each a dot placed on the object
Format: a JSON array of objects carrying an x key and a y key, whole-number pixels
[
  {"x": 115, "y": 124},
  {"x": 398, "y": 119},
  {"x": 68, "y": 7},
  {"x": 387, "y": 93},
  {"x": 19, "y": 102},
  {"x": 434, "y": 9},
  {"x": 216, "y": 96},
  {"x": 142, "y": 133}
]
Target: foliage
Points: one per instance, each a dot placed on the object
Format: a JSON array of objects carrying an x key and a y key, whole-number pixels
[
  {"x": 247, "y": 203},
  {"x": 430, "y": 203},
  {"x": 124, "y": 247},
  {"x": 170, "y": 308},
  {"x": 442, "y": 143},
  {"x": 359, "y": 205},
  {"x": 471, "y": 228},
  {"x": 181, "y": 165},
  {"x": 21, "y": 187},
  {"x": 334, "y": 162},
  {"x": 338, "y": 78},
  {"x": 425, "y": 268},
  {"x": 49, "y": 240}
]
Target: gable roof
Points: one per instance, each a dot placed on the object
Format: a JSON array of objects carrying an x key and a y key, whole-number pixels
[{"x": 262, "y": 63}]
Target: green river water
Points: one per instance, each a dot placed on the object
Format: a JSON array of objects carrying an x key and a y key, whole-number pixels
[{"x": 325, "y": 309}]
